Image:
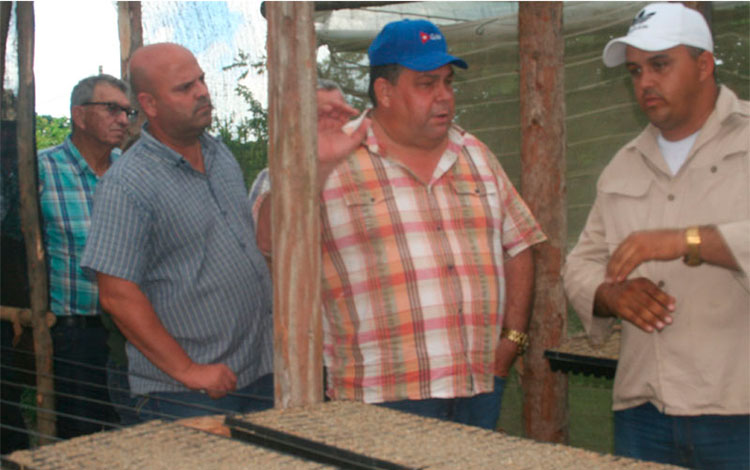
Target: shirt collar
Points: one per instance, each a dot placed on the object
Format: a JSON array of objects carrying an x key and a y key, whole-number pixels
[
  {"x": 727, "y": 107},
  {"x": 80, "y": 163},
  {"x": 159, "y": 149}
]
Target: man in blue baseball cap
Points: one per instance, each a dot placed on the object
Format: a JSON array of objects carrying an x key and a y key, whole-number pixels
[{"x": 427, "y": 275}]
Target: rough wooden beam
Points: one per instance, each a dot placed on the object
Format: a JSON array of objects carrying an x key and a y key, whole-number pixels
[
  {"x": 542, "y": 116},
  {"x": 131, "y": 38},
  {"x": 295, "y": 213},
  {"x": 22, "y": 316},
  {"x": 130, "y": 29},
  {"x": 30, "y": 221}
]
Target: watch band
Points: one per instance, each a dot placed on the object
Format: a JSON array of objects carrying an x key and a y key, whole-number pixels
[
  {"x": 693, "y": 241},
  {"x": 518, "y": 337}
]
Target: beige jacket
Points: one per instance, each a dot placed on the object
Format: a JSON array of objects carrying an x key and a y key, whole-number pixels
[{"x": 701, "y": 363}]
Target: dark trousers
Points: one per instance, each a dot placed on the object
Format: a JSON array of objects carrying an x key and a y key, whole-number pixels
[
  {"x": 711, "y": 442},
  {"x": 13, "y": 435},
  {"x": 81, "y": 397},
  {"x": 119, "y": 393}
]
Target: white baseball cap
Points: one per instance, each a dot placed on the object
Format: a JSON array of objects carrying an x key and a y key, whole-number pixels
[{"x": 658, "y": 27}]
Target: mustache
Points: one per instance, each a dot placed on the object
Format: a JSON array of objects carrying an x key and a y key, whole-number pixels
[
  {"x": 203, "y": 102},
  {"x": 648, "y": 93}
]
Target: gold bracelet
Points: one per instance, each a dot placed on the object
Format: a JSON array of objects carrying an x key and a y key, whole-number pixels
[{"x": 518, "y": 337}]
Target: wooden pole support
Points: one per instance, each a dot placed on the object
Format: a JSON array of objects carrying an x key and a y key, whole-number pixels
[
  {"x": 30, "y": 222},
  {"x": 130, "y": 30},
  {"x": 542, "y": 116},
  {"x": 295, "y": 212},
  {"x": 22, "y": 316}
]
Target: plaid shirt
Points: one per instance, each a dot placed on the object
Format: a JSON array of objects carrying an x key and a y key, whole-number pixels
[
  {"x": 66, "y": 195},
  {"x": 413, "y": 285}
]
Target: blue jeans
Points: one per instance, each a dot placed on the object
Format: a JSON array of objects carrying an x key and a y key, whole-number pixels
[
  {"x": 481, "y": 410},
  {"x": 257, "y": 396},
  {"x": 711, "y": 442}
]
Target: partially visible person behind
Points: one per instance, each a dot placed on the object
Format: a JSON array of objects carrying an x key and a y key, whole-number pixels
[
  {"x": 172, "y": 246},
  {"x": 333, "y": 113},
  {"x": 333, "y": 110},
  {"x": 427, "y": 271},
  {"x": 666, "y": 249},
  {"x": 68, "y": 175}
]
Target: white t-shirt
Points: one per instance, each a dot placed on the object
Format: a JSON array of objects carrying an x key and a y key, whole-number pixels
[{"x": 675, "y": 153}]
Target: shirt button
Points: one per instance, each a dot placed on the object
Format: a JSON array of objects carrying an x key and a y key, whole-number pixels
[
  {"x": 660, "y": 284},
  {"x": 450, "y": 267},
  {"x": 439, "y": 228},
  {"x": 713, "y": 169},
  {"x": 670, "y": 197}
]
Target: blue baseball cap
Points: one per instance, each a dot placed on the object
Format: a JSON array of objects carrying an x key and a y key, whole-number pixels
[{"x": 416, "y": 44}]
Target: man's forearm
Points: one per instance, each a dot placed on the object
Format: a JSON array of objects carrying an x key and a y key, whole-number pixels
[
  {"x": 136, "y": 319},
  {"x": 519, "y": 286}
]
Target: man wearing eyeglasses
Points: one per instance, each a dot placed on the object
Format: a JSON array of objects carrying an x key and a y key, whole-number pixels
[{"x": 68, "y": 174}]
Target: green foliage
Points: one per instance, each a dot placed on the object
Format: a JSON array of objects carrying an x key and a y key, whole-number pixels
[
  {"x": 246, "y": 137},
  {"x": 351, "y": 72},
  {"x": 51, "y": 131}
]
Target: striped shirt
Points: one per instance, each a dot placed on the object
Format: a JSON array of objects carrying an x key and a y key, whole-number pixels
[
  {"x": 413, "y": 285},
  {"x": 66, "y": 194},
  {"x": 186, "y": 239}
]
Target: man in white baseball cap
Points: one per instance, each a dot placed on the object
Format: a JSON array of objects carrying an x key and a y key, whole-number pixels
[
  {"x": 666, "y": 249},
  {"x": 658, "y": 27}
]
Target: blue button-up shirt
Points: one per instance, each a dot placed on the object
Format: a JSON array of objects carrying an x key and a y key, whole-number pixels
[
  {"x": 186, "y": 239},
  {"x": 66, "y": 193}
]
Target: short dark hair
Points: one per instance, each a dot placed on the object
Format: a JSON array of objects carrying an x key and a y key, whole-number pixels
[
  {"x": 390, "y": 72},
  {"x": 695, "y": 52}
]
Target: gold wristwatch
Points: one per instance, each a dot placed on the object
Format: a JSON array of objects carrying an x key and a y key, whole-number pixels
[
  {"x": 693, "y": 240},
  {"x": 518, "y": 337}
]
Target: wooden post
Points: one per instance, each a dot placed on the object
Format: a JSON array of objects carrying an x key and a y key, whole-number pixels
[
  {"x": 542, "y": 115},
  {"x": 295, "y": 213},
  {"x": 130, "y": 29},
  {"x": 30, "y": 218},
  {"x": 131, "y": 32}
]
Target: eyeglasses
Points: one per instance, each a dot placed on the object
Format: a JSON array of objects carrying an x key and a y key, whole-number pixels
[{"x": 115, "y": 109}]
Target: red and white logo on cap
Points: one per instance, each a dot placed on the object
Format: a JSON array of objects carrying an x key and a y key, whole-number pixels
[{"x": 424, "y": 37}]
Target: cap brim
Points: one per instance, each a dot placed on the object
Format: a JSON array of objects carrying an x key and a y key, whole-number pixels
[
  {"x": 614, "y": 51},
  {"x": 425, "y": 63}
]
